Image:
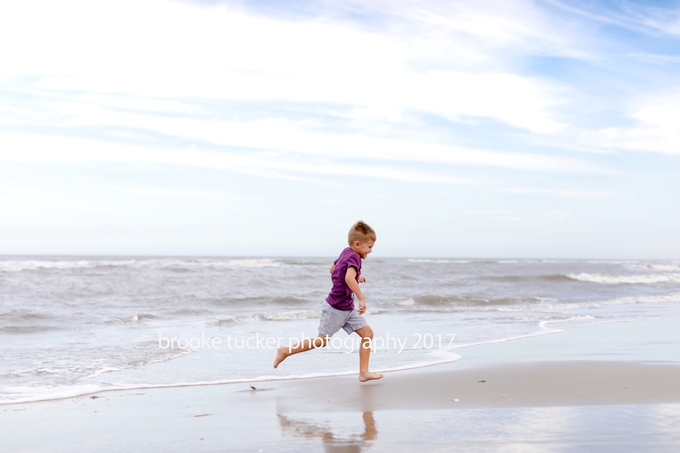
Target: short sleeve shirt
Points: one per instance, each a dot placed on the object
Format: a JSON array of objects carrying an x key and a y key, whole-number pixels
[{"x": 341, "y": 296}]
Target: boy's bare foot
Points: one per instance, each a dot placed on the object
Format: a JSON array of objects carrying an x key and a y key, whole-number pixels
[
  {"x": 368, "y": 376},
  {"x": 280, "y": 356}
]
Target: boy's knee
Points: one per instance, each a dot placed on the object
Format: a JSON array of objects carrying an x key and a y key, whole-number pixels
[
  {"x": 367, "y": 332},
  {"x": 321, "y": 341}
]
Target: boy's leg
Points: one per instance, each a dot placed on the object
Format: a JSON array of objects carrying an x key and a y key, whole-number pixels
[
  {"x": 366, "y": 334},
  {"x": 304, "y": 345}
]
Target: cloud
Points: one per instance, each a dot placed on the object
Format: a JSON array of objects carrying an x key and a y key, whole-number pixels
[
  {"x": 656, "y": 58},
  {"x": 278, "y": 134},
  {"x": 561, "y": 193},
  {"x": 223, "y": 53},
  {"x": 49, "y": 150},
  {"x": 640, "y": 17},
  {"x": 655, "y": 129},
  {"x": 22, "y": 201}
]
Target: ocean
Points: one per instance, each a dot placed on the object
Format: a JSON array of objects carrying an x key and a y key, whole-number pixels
[{"x": 79, "y": 325}]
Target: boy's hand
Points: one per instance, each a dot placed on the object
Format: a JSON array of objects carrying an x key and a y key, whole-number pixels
[
  {"x": 362, "y": 306},
  {"x": 362, "y": 279}
]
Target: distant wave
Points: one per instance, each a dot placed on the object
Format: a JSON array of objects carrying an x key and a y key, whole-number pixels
[
  {"x": 666, "y": 267},
  {"x": 23, "y": 314},
  {"x": 159, "y": 263},
  {"x": 631, "y": 279},
  {"x": 27, "y": 329},
  {"x": 137, "y": 317},
  {"x": 415, "y": 260}
]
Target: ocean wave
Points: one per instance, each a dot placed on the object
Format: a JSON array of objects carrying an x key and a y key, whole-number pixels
[
  {"x": 416, "y": 260},
  {"x": 160, "y": 263},
  {"x": 630, "y": 279},
  {"x": 438, "y": 299},
  {"x": 27, "y": 329},
  {"x": 666, "y": 298},
  {"x": 542, "y": 304},
  {"x": 612, "y": 261},
  {"x": 224, "y": 301},
  {"x": 466, "y": 301},
  {"x": 303, "y": 262},
  {"x": 23, "y": 315},
  {"x": 137, "y": 317},
  {"x": 290, "y": 315},
  {"x": 228, "y": 320},
  {"x": 186, "y": 311},
  {"x": 301, "y": 314},
  {"x": 514, "y": 308},
  {"x": 31, "y": 265},
  {"x": 666, "y": 267},
  {"x": 403, "y": 303}
]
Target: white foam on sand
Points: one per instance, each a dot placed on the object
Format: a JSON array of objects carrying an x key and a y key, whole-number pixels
[{"x": 26, "y": 394}]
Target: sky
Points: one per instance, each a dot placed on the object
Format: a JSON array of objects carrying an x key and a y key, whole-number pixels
[{"x": 501, "y": 128}]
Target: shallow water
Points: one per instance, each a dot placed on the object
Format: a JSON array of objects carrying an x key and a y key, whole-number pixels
[{"x": 74, "y": 325}]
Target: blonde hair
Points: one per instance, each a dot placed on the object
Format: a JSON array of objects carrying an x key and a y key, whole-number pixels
[{"x": 361, "y": 232}]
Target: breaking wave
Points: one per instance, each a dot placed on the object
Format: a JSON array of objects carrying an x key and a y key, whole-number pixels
[{"x": 630, "y": 279}]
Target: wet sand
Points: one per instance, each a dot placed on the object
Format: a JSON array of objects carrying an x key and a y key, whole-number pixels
[{"x": 489, "y": 402}]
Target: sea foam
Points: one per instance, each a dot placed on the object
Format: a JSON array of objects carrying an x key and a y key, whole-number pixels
[{"x": 630, "y": 279}]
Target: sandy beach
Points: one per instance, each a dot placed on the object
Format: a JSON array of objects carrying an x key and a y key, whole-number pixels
[{"x": 607, "y": 387}]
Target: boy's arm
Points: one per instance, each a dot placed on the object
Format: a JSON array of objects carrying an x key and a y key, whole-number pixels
[
  {"x": 332, "y": 267},
  {"x": 351, "y": 280}
]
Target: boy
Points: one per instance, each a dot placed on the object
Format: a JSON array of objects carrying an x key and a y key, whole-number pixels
[{"x": 338, "y": 310}]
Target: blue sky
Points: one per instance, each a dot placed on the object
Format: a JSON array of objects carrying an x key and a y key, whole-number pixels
[{"x": 523, "y": 129}]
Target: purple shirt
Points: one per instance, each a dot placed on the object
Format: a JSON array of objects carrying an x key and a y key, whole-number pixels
[{"x": 341, "y": 297}]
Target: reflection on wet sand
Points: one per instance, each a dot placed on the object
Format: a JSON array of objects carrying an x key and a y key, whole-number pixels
[{"x": 353, "y": 443}]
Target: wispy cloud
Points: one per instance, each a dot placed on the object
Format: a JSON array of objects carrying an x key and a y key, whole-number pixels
[
  {"x": 561, "y": 193},
  {"x": 656, "y": 58},
  {"x": 50, "y": 150},
  {"x": 655, "y": 128},
  {"x": 208, "y": 60},
  {"x": 522, "y": 105},
  {"x": 638, "y": 16},
  {"x": 275, "y": 134}
]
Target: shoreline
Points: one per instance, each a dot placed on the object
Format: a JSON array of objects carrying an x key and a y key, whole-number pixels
[
  {"x": 473, "y": 355},
  {"x": 497, "y": 395}
]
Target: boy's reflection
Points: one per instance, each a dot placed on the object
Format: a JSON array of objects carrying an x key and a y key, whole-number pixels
[{"x": 332, "y": 444}]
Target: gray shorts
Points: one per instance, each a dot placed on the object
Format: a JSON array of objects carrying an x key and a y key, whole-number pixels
[{"x": 333, "y": 319}]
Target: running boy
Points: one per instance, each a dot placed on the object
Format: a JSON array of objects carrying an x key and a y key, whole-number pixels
[{"x": 338, "y": 310}]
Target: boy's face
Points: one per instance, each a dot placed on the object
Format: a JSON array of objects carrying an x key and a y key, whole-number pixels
[{"x": 363, "y": 248}]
